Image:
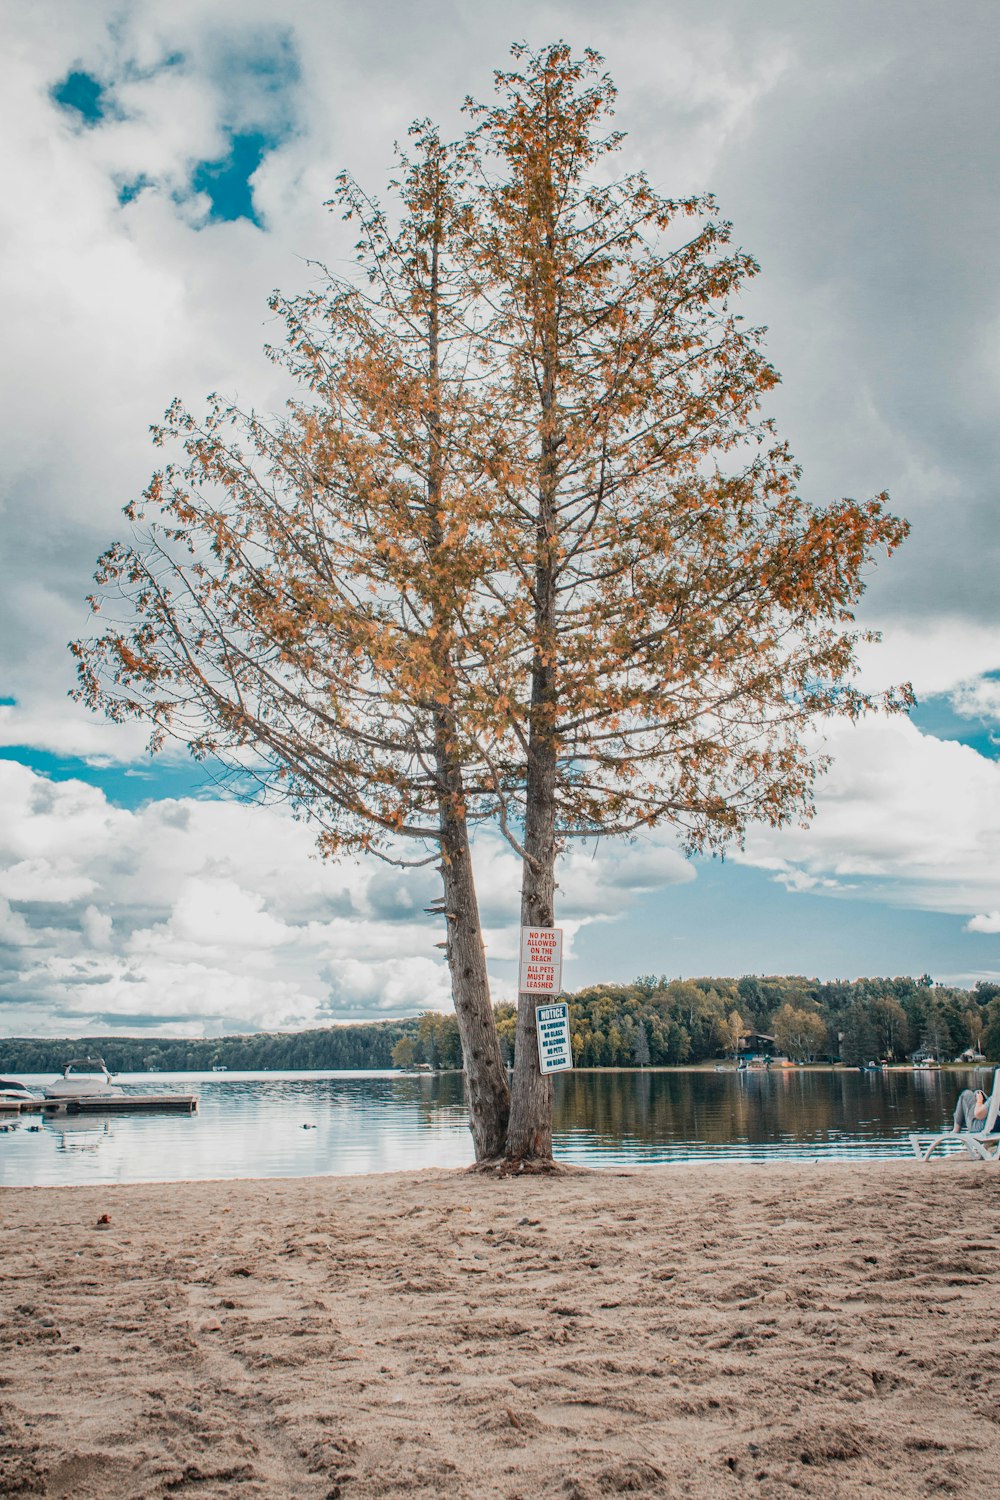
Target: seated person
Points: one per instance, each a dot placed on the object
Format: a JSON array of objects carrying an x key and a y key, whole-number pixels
[{"x": 971, "y": 1111}]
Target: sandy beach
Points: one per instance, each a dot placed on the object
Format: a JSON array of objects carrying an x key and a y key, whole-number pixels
[{"x": 695, "y": 1331}]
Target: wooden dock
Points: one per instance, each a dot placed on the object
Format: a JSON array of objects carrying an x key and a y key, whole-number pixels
[
  {"x": 130, "y": 1104},
  {"x": 106, "y": 1104}
]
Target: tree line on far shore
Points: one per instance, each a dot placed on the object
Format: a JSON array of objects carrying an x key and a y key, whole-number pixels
[
  {"x": 651, "y": 1022},
  {"x": 663, "y": 1022}
]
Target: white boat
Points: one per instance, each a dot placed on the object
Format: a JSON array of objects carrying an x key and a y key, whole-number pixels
[
  {"x": 83, "y": 1078},
  {"x": 12, "y": 1092}
]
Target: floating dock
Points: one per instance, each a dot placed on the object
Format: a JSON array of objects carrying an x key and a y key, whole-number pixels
[
  {"x": 128, "y": 1104},
  {"x": 106, "y": 1104}
]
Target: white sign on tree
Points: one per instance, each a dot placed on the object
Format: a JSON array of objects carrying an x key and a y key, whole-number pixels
[
  {"x": 541, "y": 960},
  {"x": 555, "y": 1055}
]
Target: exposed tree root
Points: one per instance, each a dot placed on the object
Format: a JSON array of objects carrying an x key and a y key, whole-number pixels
[{"x": 520, "y": 1166}]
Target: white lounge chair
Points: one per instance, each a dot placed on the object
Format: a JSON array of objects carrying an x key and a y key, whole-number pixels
[{"x": 976, "y": 1142}]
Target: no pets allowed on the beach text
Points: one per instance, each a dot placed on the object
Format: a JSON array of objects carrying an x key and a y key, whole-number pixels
[{"x": 541, "y": 960}]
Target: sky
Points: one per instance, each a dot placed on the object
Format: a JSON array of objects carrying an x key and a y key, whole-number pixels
[{"x": 165, "y": 167}]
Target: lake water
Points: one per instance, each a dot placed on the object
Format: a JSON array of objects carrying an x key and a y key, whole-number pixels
[{"x": 304, "y": 1124}]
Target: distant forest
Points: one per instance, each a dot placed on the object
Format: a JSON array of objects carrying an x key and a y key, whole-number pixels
[{"x": 651, "y": 1022}]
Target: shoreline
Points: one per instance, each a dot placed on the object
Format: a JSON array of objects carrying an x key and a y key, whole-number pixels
[
  {"x": 766, "y": 1328},
  {"x": 703, "y": 1067}
]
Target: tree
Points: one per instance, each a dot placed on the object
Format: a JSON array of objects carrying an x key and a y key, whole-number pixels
[
  {"x": 976, "y": 1022},
  {"x": 732, "y": 1030},
  {"x": 859, "y": 1039},
  {"x": 685, "y": 615},
  {"x": 991, "y": 1035},
  {"x": 506, "y": 1024},
  {"x": 753, "y": 999},
  {"x": 799, "y": 1033},
  {"x": 891, "y": 1026},
  {"x": 297, "y": 593},
  {"x": 698, "y": 1007},
  {"x": 404, "y": 1053},
  {"x": 640, "y": 1051},
  {"x": 524, "y": 549},
  {"x": 438, "y": 1040},
  {"x": 935, "y": 1037}
]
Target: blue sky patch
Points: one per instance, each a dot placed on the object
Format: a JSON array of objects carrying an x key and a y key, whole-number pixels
[
  {"x": 256, "y": 76},
  {"x": 82, "y": 94},
  {"x": 736, "y": 920},
  {"x": 227, "y": 182},
  {"x": 130, "y": 190},
  {"x": 126, "y": 786},
  {"x": 936, "y": 716}
]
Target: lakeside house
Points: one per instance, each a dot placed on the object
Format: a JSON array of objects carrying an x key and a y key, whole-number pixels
[
  {"x": 758, "y": 1050},
  {"x": 756, "y": 1047}
]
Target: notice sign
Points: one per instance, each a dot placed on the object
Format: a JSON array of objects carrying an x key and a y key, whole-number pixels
[
  {"x": 541, "y": 960},
  {"x": 552, "y": 1025}
]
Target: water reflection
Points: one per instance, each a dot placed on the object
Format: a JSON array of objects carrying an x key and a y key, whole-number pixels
[
  {"x": 76, "y": 1132},
  {"x": 662, "y": 1117},
  {"x": 291, "y": 1125},
  {"x": 250, "y": 1125}
]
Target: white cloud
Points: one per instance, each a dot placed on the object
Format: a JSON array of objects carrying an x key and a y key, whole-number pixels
[
  {"x": 901, "y": 816},
  {"x": 218, "y": 913},
  {"x": 942, "y": 654},
  {"x": 54, "y": 823},
  {"x": 98, "y": 927},
  {"x": 43, "y": 880},
  {"x": 185, "y": 910},
  {"x": 988, "y": 921},
  {"x": 14, "y": 930},
  {"x": 45, "y": 723},
  {"x": 977, "y": 698},
  {"x": 386, "y": 985},
  {"x": 203, "y": 912}
]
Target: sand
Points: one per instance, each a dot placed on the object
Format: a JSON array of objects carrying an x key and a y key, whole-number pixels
[{"x": 823, "y": 1330}]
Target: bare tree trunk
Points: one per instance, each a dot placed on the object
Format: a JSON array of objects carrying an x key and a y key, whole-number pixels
[
  {"x": 487, "y": 1094},
  {"x": 530, "y": 1134},
  {"x": 529, "y": 1137}
]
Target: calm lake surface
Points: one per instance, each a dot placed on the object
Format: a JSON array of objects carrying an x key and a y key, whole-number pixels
[{"x": 306, "y": 1124}]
